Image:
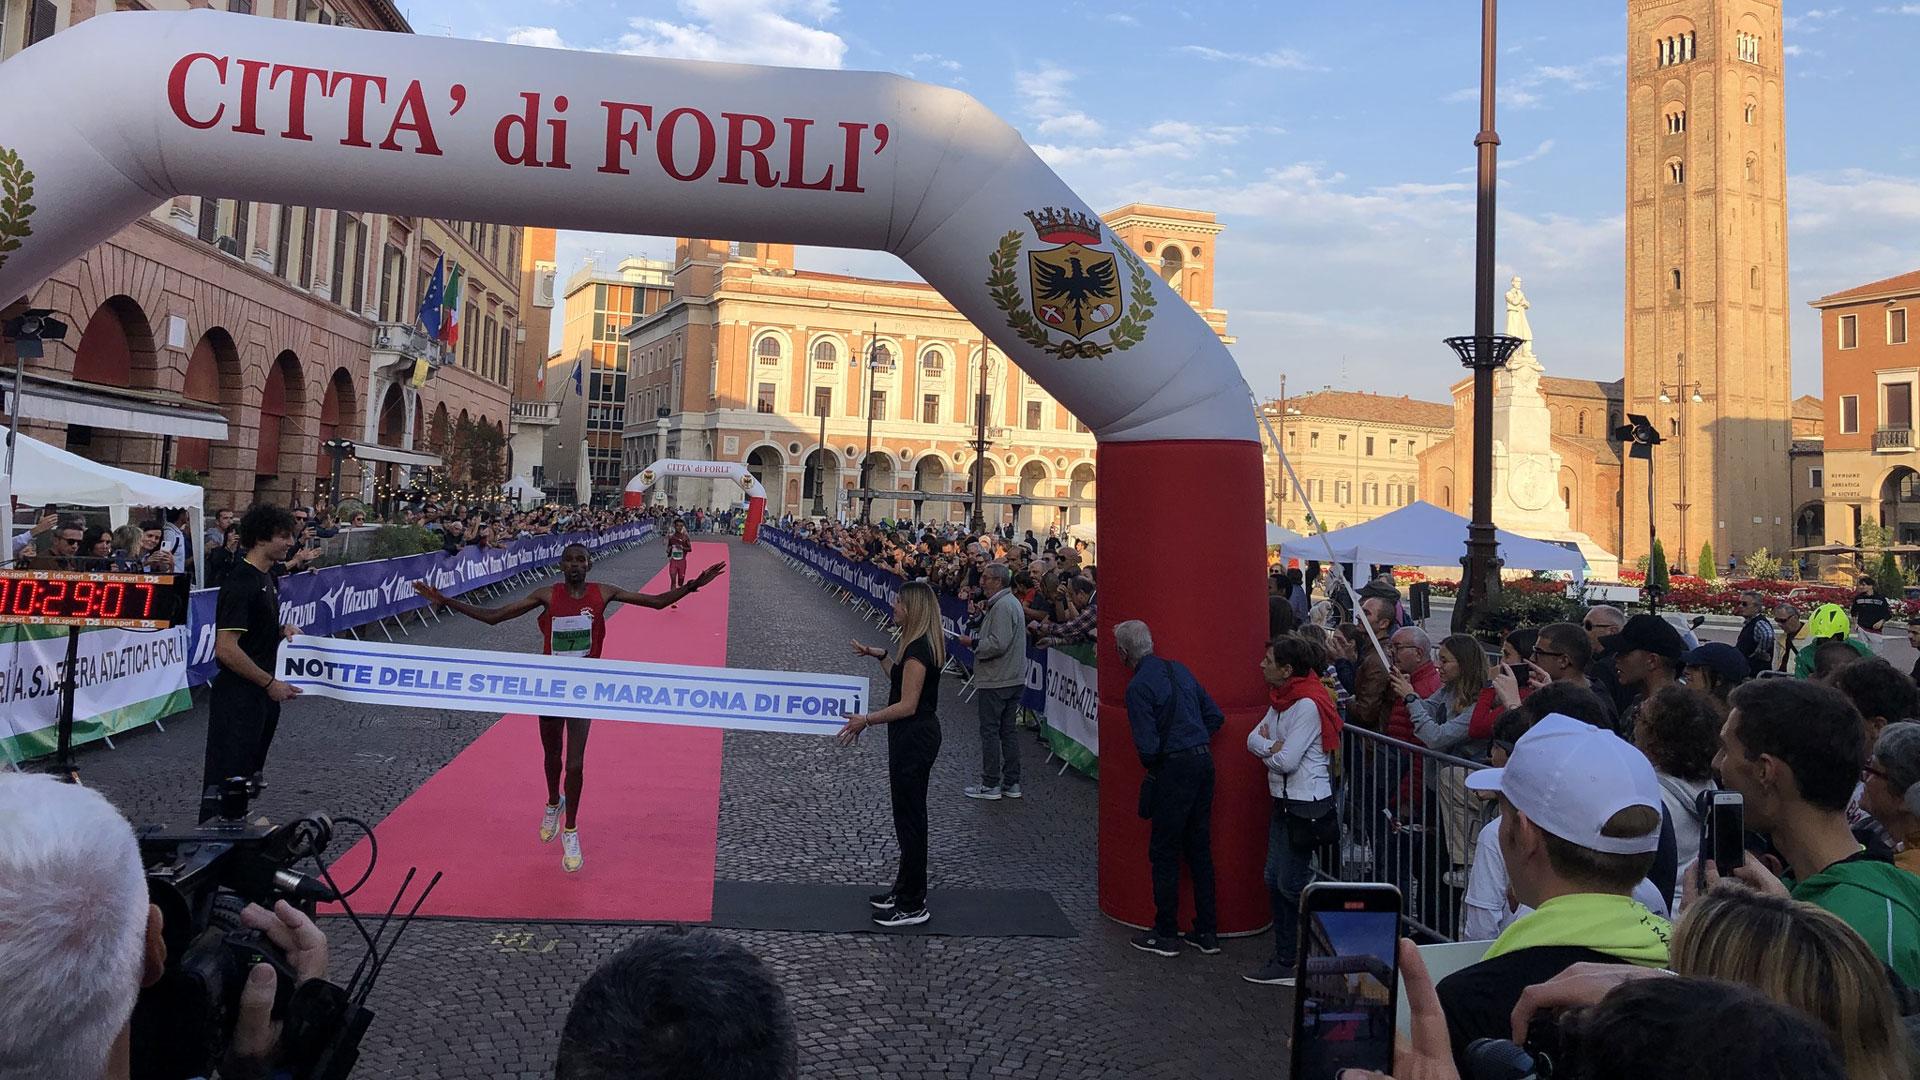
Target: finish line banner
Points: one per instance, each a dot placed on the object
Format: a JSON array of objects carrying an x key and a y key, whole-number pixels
[{"x": 415, "y": 677}]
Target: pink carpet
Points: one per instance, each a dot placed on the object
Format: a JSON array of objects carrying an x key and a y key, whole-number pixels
[{"x": 649, "y": 816}]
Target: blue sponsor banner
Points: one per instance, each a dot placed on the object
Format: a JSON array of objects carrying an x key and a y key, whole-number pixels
[
  {"x": 879, "y": 588},
  {"x": 335, "y": 599}
]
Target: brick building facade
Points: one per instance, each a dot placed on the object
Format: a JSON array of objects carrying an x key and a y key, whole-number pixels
[{"x": 232, "y": 339}]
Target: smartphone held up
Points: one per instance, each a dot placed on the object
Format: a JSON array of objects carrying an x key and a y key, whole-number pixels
[{"x": 1346, "y": 980}]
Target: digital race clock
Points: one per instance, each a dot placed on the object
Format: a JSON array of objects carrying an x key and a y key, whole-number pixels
[{"x": 68, "y": 598}]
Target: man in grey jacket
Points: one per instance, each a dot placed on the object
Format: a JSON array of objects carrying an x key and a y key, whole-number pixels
[{"x": 999, "y": 675}]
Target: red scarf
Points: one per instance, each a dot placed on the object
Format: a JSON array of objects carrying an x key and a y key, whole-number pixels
[{"x": 1310, "y": 688}]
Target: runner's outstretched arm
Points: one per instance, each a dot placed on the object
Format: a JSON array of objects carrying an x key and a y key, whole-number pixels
[
  {"x": 490, "y": 616},
  {"x": 671, "y": 596}
]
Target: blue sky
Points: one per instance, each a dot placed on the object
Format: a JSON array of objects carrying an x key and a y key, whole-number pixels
[{"x": 1335, "y": 142}]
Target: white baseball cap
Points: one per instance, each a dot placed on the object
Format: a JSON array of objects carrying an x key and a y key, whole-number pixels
[{"x": 1570, "y": 779}]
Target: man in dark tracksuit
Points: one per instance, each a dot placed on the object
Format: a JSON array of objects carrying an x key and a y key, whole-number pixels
[{"x": 1173, "y": 719}]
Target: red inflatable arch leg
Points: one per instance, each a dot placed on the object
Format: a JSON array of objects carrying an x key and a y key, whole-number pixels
[
  {"x": 756, "y": 511},
  {"x": 1191, "y": 594}
]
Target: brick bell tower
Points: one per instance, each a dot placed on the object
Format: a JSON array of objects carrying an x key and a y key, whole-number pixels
[{"x": 1706, "y": 291}]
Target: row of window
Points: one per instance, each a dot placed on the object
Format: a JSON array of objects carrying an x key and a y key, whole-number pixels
[
  {"x": 1679, "y": 48},
  {"x": 1313, "y": 443},
  {"x": 486, "y": 335},
  {"x": 1372, "y": 493},
  {"x": 1896, "y": 407},
  {"x": 1677, "y": 169},
  {"x": 1896, "y": 329},
  {"x": 932, "y": 409},
  {"x": 1674, "y": 49}
]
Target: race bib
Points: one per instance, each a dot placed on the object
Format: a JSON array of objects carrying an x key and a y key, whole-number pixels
[
  {"x": 572, "y": 635},
  {"x": 676, "y": 553}
]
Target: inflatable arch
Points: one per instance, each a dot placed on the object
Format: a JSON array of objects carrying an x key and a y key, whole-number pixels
[
  {"x": 163, "y": 104},
  {"x": 636, "y": 493}
]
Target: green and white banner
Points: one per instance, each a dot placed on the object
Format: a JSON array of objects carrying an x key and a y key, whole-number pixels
[
  {"x": 1072, "y": 719},
  {"x": 123, "y": 678},
  {"x": 413, "y": 676}
]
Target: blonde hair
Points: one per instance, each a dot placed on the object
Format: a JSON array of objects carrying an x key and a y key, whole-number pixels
[
  {"x": 920, "y": 618},
  {"x": 1803, "y": 957}
]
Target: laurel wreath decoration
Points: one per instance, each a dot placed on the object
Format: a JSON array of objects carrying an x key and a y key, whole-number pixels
[
  {"x": 16, "y": 187},
  {"x": 1003, "y": 286}
]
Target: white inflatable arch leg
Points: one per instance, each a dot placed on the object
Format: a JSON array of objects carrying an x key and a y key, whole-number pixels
[{"x": 153, "y": 105}]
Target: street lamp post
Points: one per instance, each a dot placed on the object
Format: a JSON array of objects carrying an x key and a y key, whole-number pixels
[
  {"x": 1485, "y": 352},
  {"x": 820, "y": 465},
  {"x": 873, "y": 365},
  {"x": 1640, "y": 437},
  {"x": 980, "y": 444}
]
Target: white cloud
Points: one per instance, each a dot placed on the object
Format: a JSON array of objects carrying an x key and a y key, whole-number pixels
[
  {"x": 1278, "y": 59},
  {"x": 1901, "y": 9},
  {"x": 545, "y": 37},
  {"x": 1791, "y": 50},
  {"x": 1071, "y": 125},
  {"x": 1122, "y": 18},
  {"x": 742, "y": 31},
  {"x": 938, "y": 61}
]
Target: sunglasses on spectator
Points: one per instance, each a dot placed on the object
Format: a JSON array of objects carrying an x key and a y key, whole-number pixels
[
  {"x": 1600, "y": 626},
  {"x": 1538, "y": 651}
]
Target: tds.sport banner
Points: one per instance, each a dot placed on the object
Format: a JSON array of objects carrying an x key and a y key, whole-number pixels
[
  {"x": 335, "y": 599},
  {"x": 122, "y": 679},
  {"x": 413, "y": 676}
]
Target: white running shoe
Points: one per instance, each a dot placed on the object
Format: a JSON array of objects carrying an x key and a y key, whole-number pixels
[
  {"x": 570, "y": 850},
  {"x": 550, "y": 820}
]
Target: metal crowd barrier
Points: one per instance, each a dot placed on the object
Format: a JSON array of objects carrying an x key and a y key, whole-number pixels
[{"x": 1408, "y": 819}]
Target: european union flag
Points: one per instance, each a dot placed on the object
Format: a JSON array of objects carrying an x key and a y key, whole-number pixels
[{"x": 430, "y": 304}]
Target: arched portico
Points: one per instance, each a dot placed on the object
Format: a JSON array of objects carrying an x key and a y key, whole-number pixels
[{"x": 849, "y": 159}]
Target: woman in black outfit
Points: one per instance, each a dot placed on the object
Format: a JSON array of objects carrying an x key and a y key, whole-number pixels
[{"x": 913, "y": 741}]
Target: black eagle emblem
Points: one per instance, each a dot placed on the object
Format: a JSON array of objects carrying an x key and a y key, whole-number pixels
[{"x": 1075, "y": 286}]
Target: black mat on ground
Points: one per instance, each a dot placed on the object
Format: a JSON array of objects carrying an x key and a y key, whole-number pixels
[{"x": 843, "y": 909}]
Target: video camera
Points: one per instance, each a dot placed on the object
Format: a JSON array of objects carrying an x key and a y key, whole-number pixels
[{"x": 201, "y": 879}]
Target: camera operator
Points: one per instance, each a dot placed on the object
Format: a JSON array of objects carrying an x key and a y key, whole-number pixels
[
  {"x": 79, "y": 942},
  {"x": 245, "y": 707}
]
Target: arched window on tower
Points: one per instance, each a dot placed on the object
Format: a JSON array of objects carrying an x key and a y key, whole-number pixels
[
  {"x": 1676, "y": 276},
  {"x": 1752, "y": 168},
  {"x": 1172, "y": 265},
  {"x": 1750, "y": 110},
  {"x": 1676, "y": 172}
]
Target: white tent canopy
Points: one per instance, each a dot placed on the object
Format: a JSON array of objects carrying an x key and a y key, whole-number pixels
[
  {"x": 1277, "y": 535},
  {"x": 1422, "y": 534},
  {"x": 44, "y": 474}
]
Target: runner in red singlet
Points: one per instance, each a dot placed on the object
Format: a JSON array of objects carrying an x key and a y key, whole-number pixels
[
  {"x": 573, "y": 622},
  {"x": 679, "y": 544}
]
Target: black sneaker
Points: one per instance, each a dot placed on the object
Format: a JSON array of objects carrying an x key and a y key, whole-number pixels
[
  {"x": 1208, "y": 944},
  {"x": 882, "y": 901},
  {"x": 1274, "y": 973},
  {"x": 898, "y": 917},
  {"x": 1148, "y": 941}
]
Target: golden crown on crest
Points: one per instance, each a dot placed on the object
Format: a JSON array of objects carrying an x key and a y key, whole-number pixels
[{"x": 1060, "y": 225}]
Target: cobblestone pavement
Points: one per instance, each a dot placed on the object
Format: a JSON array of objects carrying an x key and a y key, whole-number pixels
[{"x": 487, "y": 999}]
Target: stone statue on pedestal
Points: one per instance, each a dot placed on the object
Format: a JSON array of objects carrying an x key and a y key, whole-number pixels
[{"x": 1526, "y": 467}]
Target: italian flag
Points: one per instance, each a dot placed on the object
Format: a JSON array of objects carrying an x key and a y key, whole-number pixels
[{"x": 450, "y": 321}]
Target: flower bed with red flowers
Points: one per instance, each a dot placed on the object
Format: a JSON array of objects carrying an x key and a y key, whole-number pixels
[{"x": 1686, "y": 593}]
